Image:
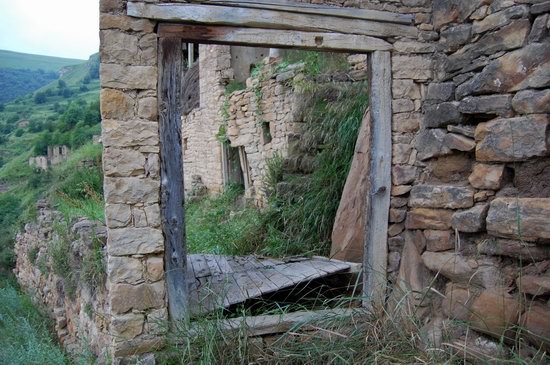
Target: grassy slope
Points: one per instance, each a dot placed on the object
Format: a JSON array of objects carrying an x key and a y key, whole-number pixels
[{"x": 9, "y": 59}]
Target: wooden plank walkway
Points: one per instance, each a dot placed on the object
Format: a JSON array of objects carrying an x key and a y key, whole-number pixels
[{"x": 222, "y": 281}]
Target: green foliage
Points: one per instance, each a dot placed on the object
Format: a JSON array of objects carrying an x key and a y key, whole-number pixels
[
  {"x": 24, "y": 332},
  {"x": 233, "y": 86},
  {"x": 15, "y": 83},
  {"x": 224, "y": 225},
  {"x": 33, "y": 254},
  {"x": 19, "y": 132},
  {"x": 9, "y": 214},
  {"x": 317, "y": 63},
  {"x": 93, "y": 266},
  {"x": 302, "y": 217}
]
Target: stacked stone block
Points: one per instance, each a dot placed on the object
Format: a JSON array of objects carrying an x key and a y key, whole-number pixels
[{"x": 135, "y": 245}]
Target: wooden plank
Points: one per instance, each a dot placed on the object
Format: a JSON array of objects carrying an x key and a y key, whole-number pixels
[
  {"x": 264, "y": 284},
  {"x": 200, "y": 266},
  {"x": 306, "y": 8},
  {"x": 276, "y": 277},
  {"x": 335, "y": 42},
  {"x": 247, "y": 284},
  {"x": 378, "y": 199},
  {"x": 284, "y": 322},
  {"x": 171, "y": 173},
  {"x": 235, "y": 265},
  {"x": 213, "y": 265},
  {"x": 271, "y": 19},
  {"x": 223, "y": 264}
]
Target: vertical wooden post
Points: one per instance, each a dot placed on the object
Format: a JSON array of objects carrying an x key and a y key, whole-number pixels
[
  {"x": 171, "y": 163},
  {"x": 378, "y": 200}
]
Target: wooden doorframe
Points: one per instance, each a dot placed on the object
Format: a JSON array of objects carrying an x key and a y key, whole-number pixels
[{"x": 170, "y": 83}]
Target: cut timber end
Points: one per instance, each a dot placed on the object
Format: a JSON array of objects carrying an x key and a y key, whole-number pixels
[{"x": 223, "y": 281}]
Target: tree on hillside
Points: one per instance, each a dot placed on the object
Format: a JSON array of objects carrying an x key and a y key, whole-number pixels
[
  {"x": 40, "y": 98},
  {"x": 2, "y": 107}
]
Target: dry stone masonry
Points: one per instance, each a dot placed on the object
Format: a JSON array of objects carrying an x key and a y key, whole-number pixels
[{"x": 470, "y": 187}]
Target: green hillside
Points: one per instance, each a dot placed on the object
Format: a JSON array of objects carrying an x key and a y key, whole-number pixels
[
  {"x": 16, "y": 60},
  {"x": 63, "y": 112}
]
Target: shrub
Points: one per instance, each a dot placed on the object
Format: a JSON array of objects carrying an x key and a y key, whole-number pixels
[{"x": 93, "y": 266}]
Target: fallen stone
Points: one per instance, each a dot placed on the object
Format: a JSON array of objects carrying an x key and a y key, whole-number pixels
[
  {"x": 456, "y": 302},
  {"x": 512, "y": 139},
  {"x": 502, "y": 75},
  {"x": 441, "y": 196},
  {"x": 135, "y": 241},
  {"x": 414, "y": 278},
  {"x": 494, "y": 312},
  {"x": 486, "y": 176},
  {"x": 484, "y": 272},
  {"x": 520, "y": 250},
  {"x": 471, "y": 220},
  {"x": 519, "y": 218},
  {"x": 459, "y": 142},
  {"x": 532, "y": 101},
  {"x": 439, "y": 240},
  {"x": 536, "y": 321},
  {"x": 500, "y": 18},
  {"x": 348, "y": 230},
  {"x": 422, "y": 218},
  {"x": 486, "y": 104},
  {"x": 440, "y": 115},
  {"x": 534, "y": 285},
  {"x": 431, "y": 143}
]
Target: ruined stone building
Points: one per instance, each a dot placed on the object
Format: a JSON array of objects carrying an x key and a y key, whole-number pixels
[
  {"x": 55, "y": 155},
  {"x": 456, "y": 191}
]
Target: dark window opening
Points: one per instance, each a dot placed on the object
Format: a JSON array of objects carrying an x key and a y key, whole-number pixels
[{"x": 266, "y": 132}]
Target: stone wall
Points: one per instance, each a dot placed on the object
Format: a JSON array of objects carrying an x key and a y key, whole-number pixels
[
  {"x": 470, "y": 161},
  {"x": 80, "y": 309},
  {"x": 470, "y": 196},
  {"x": 130, "y": 135},
  {"x": 202, "y": 154}
]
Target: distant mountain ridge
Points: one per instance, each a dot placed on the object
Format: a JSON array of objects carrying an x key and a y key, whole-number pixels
[
  {"x": 17, "y": 60},
  {"x": 21, "y": 73}
]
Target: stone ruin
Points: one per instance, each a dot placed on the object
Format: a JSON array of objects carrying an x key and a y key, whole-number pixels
[
  {"x": 468, "y": 238},
  {"x": 55, "y": 156}
]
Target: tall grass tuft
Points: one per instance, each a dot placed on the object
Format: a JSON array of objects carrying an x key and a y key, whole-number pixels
[{"x": 24, "y": 332}]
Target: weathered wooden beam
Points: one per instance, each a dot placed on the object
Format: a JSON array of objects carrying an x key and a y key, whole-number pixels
[
  {"x": 171, "y": 173},
  {"x": 274, "y": 38},
  {"x": 378, "y": 200},
  {"x": 259, "y": 18},
  {"x": 306, "y": 8}
]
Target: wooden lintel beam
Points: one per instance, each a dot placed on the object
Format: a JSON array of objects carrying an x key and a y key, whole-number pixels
[
  {"x": 271, "y": 19},
  {"x": 306, "y": 8},
  {"x": 273, "y": 38}
]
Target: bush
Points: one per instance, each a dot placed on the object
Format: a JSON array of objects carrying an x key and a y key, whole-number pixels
[{"x": 19, "y": 132}]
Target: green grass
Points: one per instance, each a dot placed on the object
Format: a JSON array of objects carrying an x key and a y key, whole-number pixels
[
  {"x": 25, "y": 337},
  {"x": 9, "y": 59}
]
